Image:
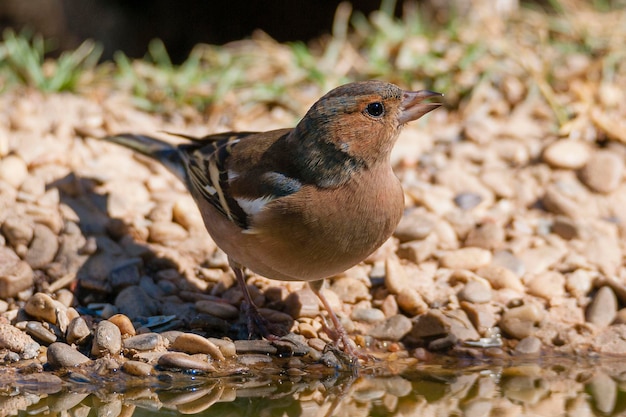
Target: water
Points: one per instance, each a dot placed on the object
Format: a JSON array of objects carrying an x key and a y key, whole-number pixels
[{"x": 550, "y": 387}]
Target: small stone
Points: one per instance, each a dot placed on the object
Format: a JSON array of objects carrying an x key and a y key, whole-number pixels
[
  {"x": 603, "y": 308},
  {"x": 482, "y": 316},
  {"x": 488, "y": 235},
  {"x": 42, "y": 307},
  {"x": 302, "y": 303},
  {"x": 509, "y": 261},
  {"x": 417, "y": 251},
  {"x": 396, "y": 278},
  {"x": 411, "y": 302},
  {"x": 137, "y": 368},
  {"x": 565, "y": 228},
  {"x": 185, "y": 213},
  {"x": 178, "y": 360},
  {"x": 520, "y": 322},
  {"x": 540, "y": 259},
  {"x": 416, "y": 225},
  {"x": 166, "y": 233},
  {"x": 255, "y": 346},
  {"x": 475, "y": 292},
  {"x": 134, "y": 302},
  {"x": 389, "y": 306},
  {"x": 219, "y": 309},
  {"x": 77, "y": 331},
  {"x": 350, "y": 290},
  {"x": 467, "y": 200},
  {"x": 307, "y": 330},
  {"x": 13, "y": 170},
  {"x": 500, "y": 277},
  {"x": 124, "y": 324},
  {"x": 125, "y": 274},
  {"x": 528, "y": 346},
  {"x": 61, "y": 355},
  {"x": 18, "y": 231},
  {"x": 14, "y": 339},
  {"x": 143, "y": 342},
  {"x": 620, "y": 317},
  {"x": 43, "y": 248},
  {"x": 226, "y": 346},
  {"x": 367, "y": 315},
  {"x": 40, "y": 333},
  {"x": 15, "y": 274},
  {"x": 603, "y": 172},
  {"x": 466, "y": 258},
  {"x": 107, "y": 339},
  {"x": 548, "y": 285},
  {"x": 567, "y": 154},
  {"x": 193, "y": 343},
  {"x": 393, "y": 329}
]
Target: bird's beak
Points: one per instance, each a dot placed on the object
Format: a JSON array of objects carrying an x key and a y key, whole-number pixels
[{"x": 413, "y": 106}]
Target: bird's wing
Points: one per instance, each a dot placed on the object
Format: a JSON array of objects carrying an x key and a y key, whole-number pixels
[{"x": 239, "y": 186}]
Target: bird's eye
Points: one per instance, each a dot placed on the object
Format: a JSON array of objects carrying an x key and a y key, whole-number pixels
[{"x": 375, "y": 109}]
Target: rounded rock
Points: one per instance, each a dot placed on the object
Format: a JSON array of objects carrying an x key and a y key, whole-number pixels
[
  {"x": 218, "y": 309},
  {"x": 519, "y": 322},
  {"x": 15, "y": 274},
  {"x": 528, "y": 346},
  {"x": 13, "y": 170},
  {"x": 567, "y": 154},
  {"x": 61, "y": 355},
  {"x": 143, "y": 342},
  {"x": 475, "y": 292},
  {"x": 137, "y": 368},
  {"x": 193, "y": 343},
  {"x": 124, "y": 324},
  {"x": 107, "y": 339},
  {"x": 466, "y": 258},
  {"x": 77, "y": 331},
  {"x": 13, "y": 339},
  {"x": 178, "y": 360},
  {"x": 603, "y": 172},
  {"x": 603, "y": 309},
  {"x": 42, "y": 307}
]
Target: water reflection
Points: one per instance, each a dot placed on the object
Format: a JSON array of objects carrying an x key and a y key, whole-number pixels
[{"x": 557, "y": 387}]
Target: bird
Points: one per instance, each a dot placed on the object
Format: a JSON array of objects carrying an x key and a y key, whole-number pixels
[{"x": 303, "y": 203}]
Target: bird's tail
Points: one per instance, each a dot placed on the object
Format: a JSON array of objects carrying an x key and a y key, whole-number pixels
[{"x": 164, "y": 152}]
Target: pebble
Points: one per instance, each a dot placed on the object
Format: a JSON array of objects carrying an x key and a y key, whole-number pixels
[
  {"x": 367, "y": 315},
  {"x": 42, "y": 307},
  {"x": 137, "y": 368},
  {"x": 227, "y": 347},
  {"x": 466, "y": 258},
  {"x": 509, "y": 261},
  {"x": 124, "y": 324},
  {"x": 416, "y": 225},
  {"x": 18, "y": 231},
  {"x": 254, "y": 346},
  {"x": 302, "y": 303},
  {"x": 125, "y": 274},
  {"x": 13, "y": 170},
  {"x": 143, "y": 342},
  {"x": 61, "y": 355},
  {"x": 604, "y": 391},
  {"x": 467, "y": 200},
  {"x": 219, "y": 309},
  {"x": 548, "y": 285},
  {"x": 77, "y": 331},
  {"x": 134, "y": 302},
  {"x": 603, "y": 172},
  {"x": 475, "y": 292},
  {"x": 488, "y": 235},
  {"x": 603, "y": 308},
  {"x": 15, "y": 274},
  {"x": 520, "y": 322},
  {"x": 565, "y": 227},
  {"x": 179, "y": 360},
  {"x": 528, "y": 346},
  {"x": 393, "y": 329},
  {"x": 43, "y": 248},
  {"x": 167, "y": 233},
  {"x": 107, "y": 339},
  {"x": 14, "y": 339},
  {"x": 193, "y": 343},
  {"x": 396, "y": 278},
  {"x": 40, "y": 333},
  {"x": 411, "y": 302},
  {"x": 350, "y": 290},
  {"x": 567, "y": 154},
  {"x": 540, "y": 259}
]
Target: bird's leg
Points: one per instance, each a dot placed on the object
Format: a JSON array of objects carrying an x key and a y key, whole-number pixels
[
  {"x": 256, "y": 322},
  {"x": 340, "y": 332}
]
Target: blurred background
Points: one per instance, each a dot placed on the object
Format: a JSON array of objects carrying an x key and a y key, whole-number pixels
[{"x": 129, "y": 25}]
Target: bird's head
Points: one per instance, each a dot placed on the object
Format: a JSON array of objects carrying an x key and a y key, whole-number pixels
[{"x": 356, "y": 125}]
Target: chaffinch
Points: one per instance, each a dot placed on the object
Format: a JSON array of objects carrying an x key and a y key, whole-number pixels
[{"x": 300, "y": 204}]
